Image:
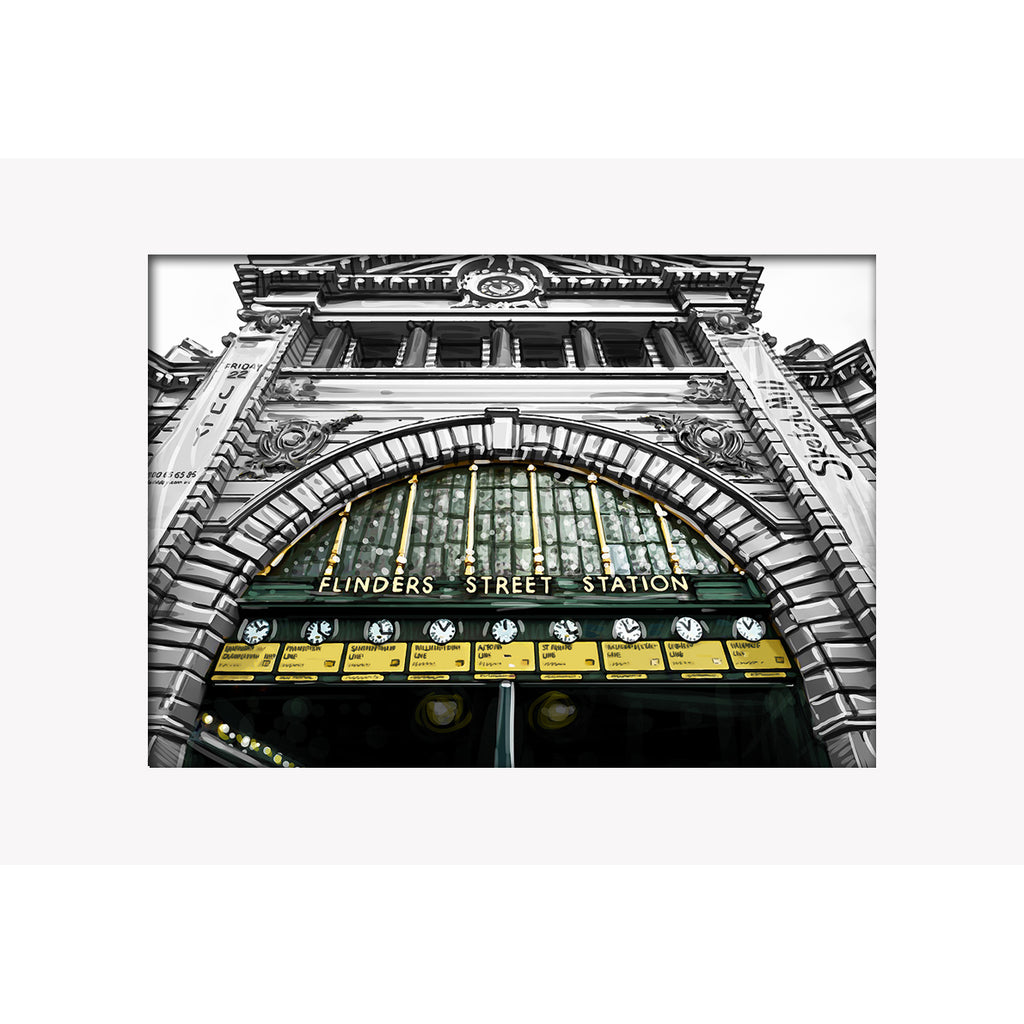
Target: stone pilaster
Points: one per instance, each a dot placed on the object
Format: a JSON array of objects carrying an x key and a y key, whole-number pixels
[
  {"x": 827, "y": 619},
  {"x": 184, "y": 635}
]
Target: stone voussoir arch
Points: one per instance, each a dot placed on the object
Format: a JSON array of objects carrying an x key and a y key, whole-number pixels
[{"x": 774, "y": 553}]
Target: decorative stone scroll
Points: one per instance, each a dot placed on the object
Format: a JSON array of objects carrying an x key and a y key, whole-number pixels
[
  {"x": 290, "y": 445},
  {"x": 269, "y": 320},
  {"x": 732, "y": 323},
  {"x": 713, "y": 443},
  {"x": 704, "y": 389}
]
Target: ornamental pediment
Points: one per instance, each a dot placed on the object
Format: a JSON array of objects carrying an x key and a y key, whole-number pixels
[{"x": 500, "y": 281}]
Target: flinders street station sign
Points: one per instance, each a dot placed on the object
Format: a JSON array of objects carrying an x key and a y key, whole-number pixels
[{"x": 501, "y": 586}]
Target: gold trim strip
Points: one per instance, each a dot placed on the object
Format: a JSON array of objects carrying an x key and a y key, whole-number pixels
[
  {"x": 403, "y": 546},
  {"x": 284, "y": 551},
  {"x": 673, "y": 555},
  {"x": 470, "y": 566},
  {"x": 538, "y": 550},
  {"x": 606, "y": 558},
  {"x": 339, "y": 538}
]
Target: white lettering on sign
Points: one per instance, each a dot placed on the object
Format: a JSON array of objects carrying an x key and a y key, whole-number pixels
[
  {"x": 187, "y": 453},
  {"x": 841, "y": 483}
]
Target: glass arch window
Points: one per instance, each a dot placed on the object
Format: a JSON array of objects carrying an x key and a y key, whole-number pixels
[{"x": 502, "y": 520}]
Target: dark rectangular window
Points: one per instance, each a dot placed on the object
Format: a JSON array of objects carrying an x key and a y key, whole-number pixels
[
  {"x": 625, "y": 353},
  {"x": 542, "y": 353},
  {"x": 374, "y": 354},
  {"x": 459, "y": 353}
]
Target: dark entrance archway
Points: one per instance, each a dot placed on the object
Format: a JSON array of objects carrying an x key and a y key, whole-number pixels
[{"x": 501, "y": 613}]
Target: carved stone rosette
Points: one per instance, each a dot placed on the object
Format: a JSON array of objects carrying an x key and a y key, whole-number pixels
[
  {"x": 704, "y": 389},
  {"x": 713, "y": 443},
  {"x": 500, "y": 282},
  {"x": 291, "y": 444}
]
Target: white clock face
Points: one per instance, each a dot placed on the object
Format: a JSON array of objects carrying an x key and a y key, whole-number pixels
[
  {"x": 689, "y": 629},
  {"x": 627, "y": 630},
  {"x": 316, "y": 632},
  {"x": 566, "y": 631},
  {"x": 256, "y": 632},
  {"x": 504, "y": 631},
  {"x": 750, "y": 629},
  {"x": 381, "y": 631},
  {"x": 441, "y": 630}
]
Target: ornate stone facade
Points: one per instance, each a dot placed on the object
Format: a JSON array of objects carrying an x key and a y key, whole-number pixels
[{"x": 590, "y": 360}]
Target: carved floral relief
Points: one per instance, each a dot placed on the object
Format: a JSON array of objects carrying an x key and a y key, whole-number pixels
[
  {"x": 713, "y": 443},
  {"x": 289, "y": 445}
]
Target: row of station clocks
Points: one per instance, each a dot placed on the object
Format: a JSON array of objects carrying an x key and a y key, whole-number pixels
[{"x": 504, "y": 631}]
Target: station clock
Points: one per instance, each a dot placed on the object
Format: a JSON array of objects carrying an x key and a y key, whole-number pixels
[
  {"x": 317, "y": 631},
  {"x": 380, "y": 632},
  {"x": 748, "y": 628},
  {"x": 627, "y": 630},
  {"x": 441, "y": 631},
  {"x": 255, "y": 632},
  {"x": 688, "y": 629},
  {"x": 566, "y": 631},
  {"x": 504, "y": 631}
]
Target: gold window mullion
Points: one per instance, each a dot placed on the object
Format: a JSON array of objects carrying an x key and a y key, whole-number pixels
[
  {"x": 538, "y": 550},
  {"x": 339, "y": 539},
  {"x": 670, "y": 548},
  {"x": 470, "y": 559},
  {"x": 606, "y": 558},
  {"x": 403, "y": 546}
]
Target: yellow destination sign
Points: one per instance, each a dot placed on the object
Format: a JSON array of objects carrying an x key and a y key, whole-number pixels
[
  {"x": 705, "y": 654},
  {"x": 578, "y": 657},
  {"x": 627, "y": 675},
  {"x": 434, "y": 658},
  {"x": 643, "y": 656},
  {"x": 374, "y": 658},
  {"x": 765, "y": 654},
  {"x": 363, "y": 677},
  {"x": 296, "y": 679},
  {"x": 515, "y": 657},
  {"x": 243, "y": 658},
  {"x": 303, "y": 658},
  {"x": 764, "y": 675}
]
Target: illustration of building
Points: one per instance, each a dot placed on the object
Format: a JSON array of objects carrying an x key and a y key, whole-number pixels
[{"x": 510, "y": 511}]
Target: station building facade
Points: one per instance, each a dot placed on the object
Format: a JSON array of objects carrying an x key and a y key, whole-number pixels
[{"x": 510, "y": 511}]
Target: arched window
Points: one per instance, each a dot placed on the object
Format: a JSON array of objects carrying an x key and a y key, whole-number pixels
[{"x": 503, "y": 520}]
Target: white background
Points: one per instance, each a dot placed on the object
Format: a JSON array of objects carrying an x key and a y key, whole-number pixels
[
  {"x": 947, "y": 787},
  {"x": 825, "y": 938},
  {"x": 947, "y": 774}
]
